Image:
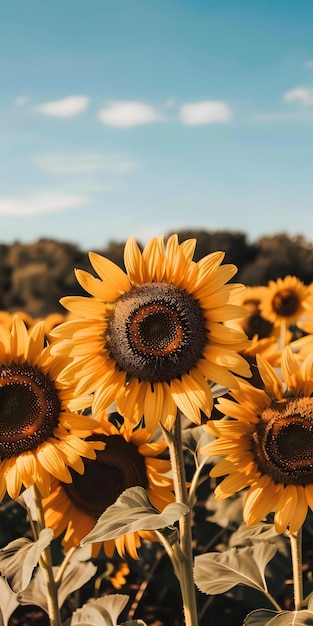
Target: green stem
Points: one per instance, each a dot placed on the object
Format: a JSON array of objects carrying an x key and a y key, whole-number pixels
[
  {"x": 183, "y": 551},
  {"x": 296, "y": 556},
  {"x": 45, "y": 563},
  {"x": 63, "y": 566},
  {"x": 272, "y": 600},
  {"x": 283, "y": 334}
]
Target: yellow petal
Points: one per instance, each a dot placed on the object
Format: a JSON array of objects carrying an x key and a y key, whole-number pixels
[
  {"x": 52, "y": 461},
  {"x": 153, "y": 406},
  {"x": 272, "y": 382},
  {"x": 260, "y": 500},
  {"x": 35, "y": 343},
  {"x": 230, "y": 485},
  {"x": 115, "y": 280},
  {"x": 287, "y": 502},
  {"x": 298, "y": 512},
  {"x": 133, "y": 261}
]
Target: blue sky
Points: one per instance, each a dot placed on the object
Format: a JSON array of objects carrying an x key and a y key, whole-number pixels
[{"x": 122, "y": 117}]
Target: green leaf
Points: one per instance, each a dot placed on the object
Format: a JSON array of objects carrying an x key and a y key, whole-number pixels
[
  {"x": 250, "y": 535},
  {"x": 77, "y": 573},
  {"x": 195, "y": 438},
  {"x": 134, "y": 622},
  {"x": 19, "y": 558},
  {"x": 247, "y": 535},
  {"x": 100, "y": 612},
  {"x": 260, "y": 617},
  {"x": 226, "y": 513},
  {"x": 8, "y": 602},
  {"x": 133, "y": 511},
  {"x": 284, "y": 618},
  {"x": 216, "y": 573}
]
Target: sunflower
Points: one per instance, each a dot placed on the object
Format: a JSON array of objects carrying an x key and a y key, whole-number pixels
[
  {"x": 36, "y": 439},
  {"x": 264, "y": 336},
  {"x": 267, "y": 443},
  {"x": 253, "y": 323},
  {"x": 151, "y": 338},
  {"x": 128, "y": 460},
  {"x": 6, "y": 318},
  {"x": 285, "y": 300}
]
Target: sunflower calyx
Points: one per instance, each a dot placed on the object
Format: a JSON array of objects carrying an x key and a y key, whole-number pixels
[{"x": 133, "y": 512}]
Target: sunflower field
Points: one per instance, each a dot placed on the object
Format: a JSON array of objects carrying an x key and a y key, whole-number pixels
[{"x": 156, "y": 439}]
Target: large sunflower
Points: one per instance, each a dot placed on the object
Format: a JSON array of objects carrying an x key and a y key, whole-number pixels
[
  {"x": 267, "y": 443},
  {"x": 36, "y": 439},
  {"x": 128, "y": 460},
  {"x": 151, "y": 338}
]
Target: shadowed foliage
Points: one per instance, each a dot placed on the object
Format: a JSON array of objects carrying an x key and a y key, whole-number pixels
[{"x": 33, "y": 277}]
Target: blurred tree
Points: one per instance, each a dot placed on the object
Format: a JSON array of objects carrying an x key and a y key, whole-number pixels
[
  {"x": 33, "y": 277},
  {"x": 278, "y": 256},
  {"x": 234, "y": 244}
]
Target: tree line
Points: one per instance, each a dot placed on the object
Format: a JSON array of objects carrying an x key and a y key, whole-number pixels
[{"x": 33, "y": 277}]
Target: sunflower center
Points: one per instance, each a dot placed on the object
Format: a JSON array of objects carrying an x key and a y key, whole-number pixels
[
  {"x": 29, "y": 409},
  {"x": 116, "y": 468},
  {"x": 255, "y": 324},
  {"x": 285, "y": 303},
  {"x": 283, "y": 442},
  {"x": 156, "y": 332}
]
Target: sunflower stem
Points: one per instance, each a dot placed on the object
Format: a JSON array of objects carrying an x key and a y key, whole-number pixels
[
  {"x": 183, "y": 551},
  {"x": 45, "y": 563},
  {"x": 63, "y": 566},
  {"x": 283, "y": 335},
  {"x": 296, "y": 556}
]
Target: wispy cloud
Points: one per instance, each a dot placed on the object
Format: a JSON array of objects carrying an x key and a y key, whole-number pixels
[
  {"x": 67, "y": 107},
  {"x": 205, "y": 112},
  {"x": 299, "y": 116},
  {"x": 309, "y": 64},
  {"x": 85, "y": 163},
  {"x": 40, "y": 203},
  {"x": 125, "y": 114},
  {"x": 21, "y": 101},
  {"x": 299, "y": 94}
]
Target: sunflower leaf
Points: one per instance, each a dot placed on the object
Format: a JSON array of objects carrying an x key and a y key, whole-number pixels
[
  {"x": 132, "y": 512},
  {"x": 264, "y": 617},
  {"x": 260, "y": 617},
  {"x": 133, "y": 622},
  {"x": 19, "y": 558},
  {"x": 196, "y": 438},
  {"x": 103, "y": 611},
  {"x": 246, "y": 535},
  {"x": 8, "y": 602},
  {"x": 77, "y": 573},
  {"x": 250, "y": 535},
  {"x": 216, "y": 573}
]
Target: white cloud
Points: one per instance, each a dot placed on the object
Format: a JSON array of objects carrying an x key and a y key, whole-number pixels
[
  {"x": 68, "y": 107},
  {"x": 309, "y": 64},
  {"x": 282, "y": 116},
  {"x": 205, "y": 112},
  {"x": 128, "y": 113},
  {"x": 20, "y": 101},
  {"x": 85, "y": 163},
  {"x": 40, "y": 203},
  {"x": 170, "y": 103},
  {"x": 300, "y": 94}
]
